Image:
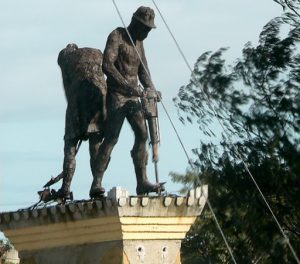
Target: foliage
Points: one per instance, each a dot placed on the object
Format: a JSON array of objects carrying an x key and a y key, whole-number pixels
[{"x": 256, "y": 100}]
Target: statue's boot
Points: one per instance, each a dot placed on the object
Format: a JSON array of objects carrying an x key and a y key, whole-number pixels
[
  {"x": 64, "y": 192},
  {"x": 69, "y": 166},
  {"x": 144, "y": 187},
  {"x": 97, "y": 191}
]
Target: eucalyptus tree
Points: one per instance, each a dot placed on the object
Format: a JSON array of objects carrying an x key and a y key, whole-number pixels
[{"x": 256, "y": 103}]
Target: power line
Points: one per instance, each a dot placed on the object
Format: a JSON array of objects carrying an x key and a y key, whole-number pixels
[
  {"x": 177, "y": 134},
  {"x": 227, "y": 134}
]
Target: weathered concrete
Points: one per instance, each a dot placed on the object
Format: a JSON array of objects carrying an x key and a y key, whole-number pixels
[
  {"x": 11, "y": 256},
  {"x": 105, "y": 252},
  {"x": 116, "y": 229},
  {"x": 114, "y": 252},
  {"x": 153, "y": 251}
]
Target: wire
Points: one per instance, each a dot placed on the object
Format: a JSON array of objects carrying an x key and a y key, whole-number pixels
[
  {"x": 227, "y": 134},
  {"x": 177, "y": 134}
]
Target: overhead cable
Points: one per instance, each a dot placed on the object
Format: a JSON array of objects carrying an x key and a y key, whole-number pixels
[
  {"x": 227, "y": 134},
  {"x": 177, "y": 134}
]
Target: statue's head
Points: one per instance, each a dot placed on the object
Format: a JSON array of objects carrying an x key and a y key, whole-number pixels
[
  {"x": 142, "y": 22},
  {"x": 145, "y": 15},
  {"x": 71, "y": 47}
]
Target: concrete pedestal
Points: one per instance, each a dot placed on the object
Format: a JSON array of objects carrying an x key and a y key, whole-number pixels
[{"x": 112, "y": 230}]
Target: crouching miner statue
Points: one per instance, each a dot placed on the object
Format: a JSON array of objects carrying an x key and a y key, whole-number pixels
[
  {"x": 85, "y": 90},
  {"x": 124, "y": 64}
]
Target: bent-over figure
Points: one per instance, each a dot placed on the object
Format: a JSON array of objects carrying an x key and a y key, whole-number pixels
[
  {"x": 123, "y": 69},
  {"x": 85, "y": 90}
]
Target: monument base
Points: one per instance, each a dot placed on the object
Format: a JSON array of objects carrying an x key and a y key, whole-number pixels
[
  {"x": 116, "y": 229},
  {"x": 113, "y": 252}
]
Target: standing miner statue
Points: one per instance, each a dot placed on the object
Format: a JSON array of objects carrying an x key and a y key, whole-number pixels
[
  {"x": 122, "y": 65},
  {"x": 97, "y": 108},
  {"x": 85, "y": 90}
]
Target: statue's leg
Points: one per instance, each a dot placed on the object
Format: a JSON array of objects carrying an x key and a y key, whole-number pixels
[
  {"x": 68, "y": 166},
  {"x": 100, "y": 157},
  {"x": 95, "y": 141},
  {"x": 139, "y": 153}
]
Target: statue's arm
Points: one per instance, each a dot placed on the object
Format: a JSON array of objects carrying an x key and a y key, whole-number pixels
[
  {"x": 110, "y": 56},
  {"x": 144, "y": 73}
]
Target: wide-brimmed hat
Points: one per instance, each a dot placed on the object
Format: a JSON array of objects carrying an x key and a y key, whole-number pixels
[{"x": 145, "y": 15}]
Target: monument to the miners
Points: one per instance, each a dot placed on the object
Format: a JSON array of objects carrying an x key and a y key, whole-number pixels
[{"x": 117, "y": 228}]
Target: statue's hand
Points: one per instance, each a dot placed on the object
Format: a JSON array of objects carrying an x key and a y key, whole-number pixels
[
  {"x": 159, "y": 98},
  {"x": 152, "y": 93},
  {"x": 131, "y": 90},
  {"x": 136, "y": 91}
]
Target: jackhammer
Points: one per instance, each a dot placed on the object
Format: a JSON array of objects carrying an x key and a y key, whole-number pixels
[{"x": 149, "y": 103}]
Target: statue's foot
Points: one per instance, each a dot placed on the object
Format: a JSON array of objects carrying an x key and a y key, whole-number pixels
[
  {"x": 97, "y": 192},
  {"x": 62, "y": 194},
  {"x": 146, "y": 187}
]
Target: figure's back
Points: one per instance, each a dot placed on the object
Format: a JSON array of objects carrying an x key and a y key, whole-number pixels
[
  {"x": 85, "y": 89},
  {"x": 78, "y": 64}
]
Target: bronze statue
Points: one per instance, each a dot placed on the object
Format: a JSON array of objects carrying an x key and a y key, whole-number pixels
[
  {"x": 85, "y": 90},
  {"x": 97, "y": 108},
  {"x": 123, "y": 69}
]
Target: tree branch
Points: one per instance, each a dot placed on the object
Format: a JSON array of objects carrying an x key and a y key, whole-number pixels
[{"x": 291, "y": 7}]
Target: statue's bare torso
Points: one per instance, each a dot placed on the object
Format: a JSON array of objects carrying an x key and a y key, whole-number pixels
[{"x": 122, "y": 64}]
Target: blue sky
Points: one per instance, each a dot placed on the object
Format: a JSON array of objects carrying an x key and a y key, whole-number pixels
[{"x": 33, "y": 106}]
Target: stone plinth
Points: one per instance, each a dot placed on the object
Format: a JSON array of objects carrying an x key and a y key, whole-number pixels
[
  {"x": 11, "y": 256},
  {"x": 112, "y": 230}
]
